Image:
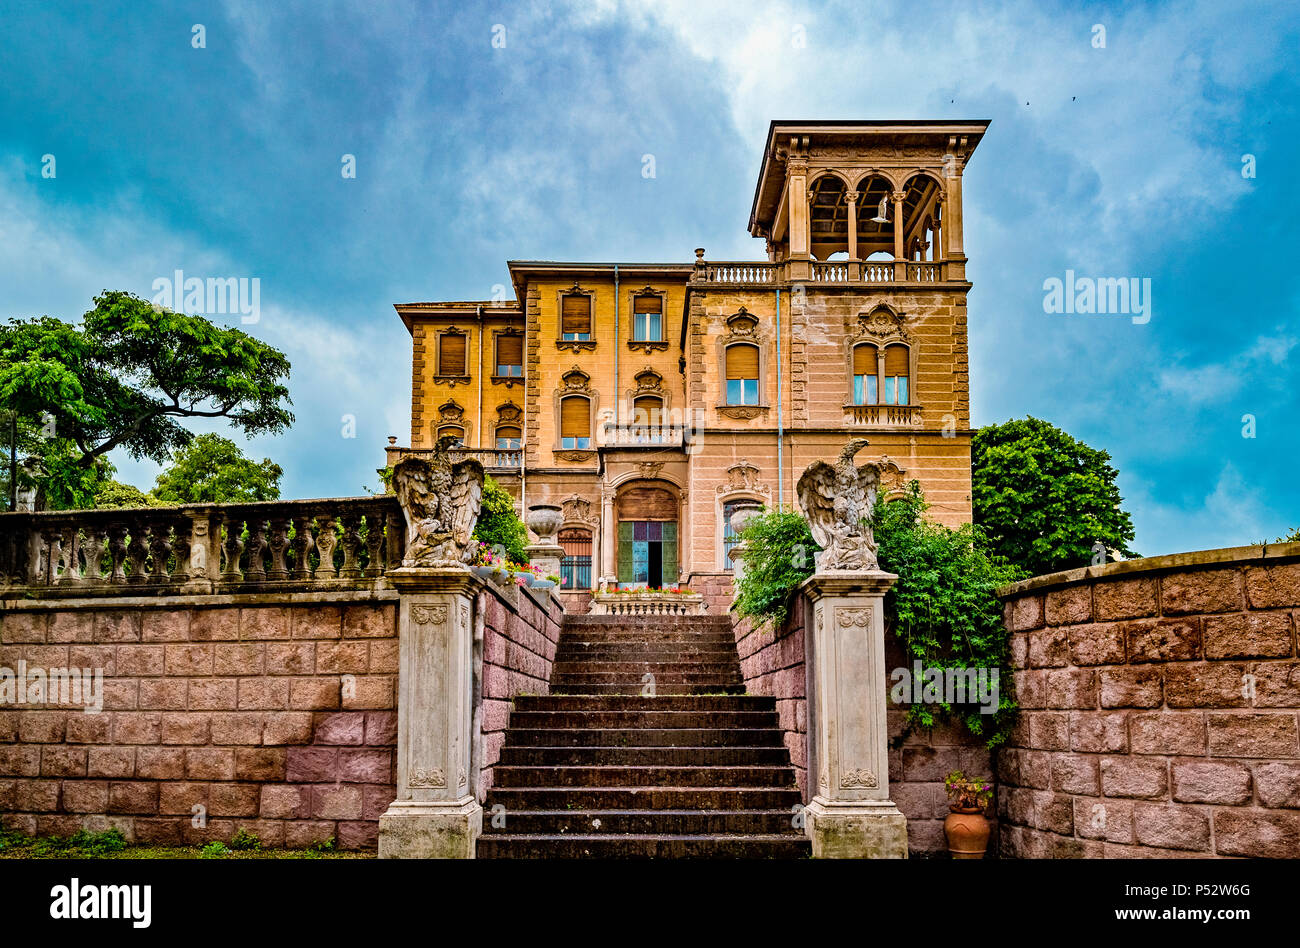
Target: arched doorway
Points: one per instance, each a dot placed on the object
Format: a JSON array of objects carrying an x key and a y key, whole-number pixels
[{"x": 647, "y": 537}]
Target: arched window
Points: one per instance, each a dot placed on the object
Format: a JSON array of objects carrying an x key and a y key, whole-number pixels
[
  {"x": 742, "y": 374},
  {"x": 509, "y": 438},
  {"x": 575, "y": 422},
  {"x": 729, "y": 536},
  {"x": 866, "y": 374},
  {"x": 575, "y": 566},
  {"x": 896, "y": 375},
  {"x": 453, "y": 430}
]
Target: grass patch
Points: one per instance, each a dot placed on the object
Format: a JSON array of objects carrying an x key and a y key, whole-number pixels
[{"x": 113, "y": 845}]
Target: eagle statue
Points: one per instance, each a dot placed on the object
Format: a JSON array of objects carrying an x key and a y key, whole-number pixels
[
  {"x": 440, "y": 501},
  {"x": 838, "y": 501}
]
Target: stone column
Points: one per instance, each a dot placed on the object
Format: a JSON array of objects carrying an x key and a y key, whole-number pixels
[
  {"x": 796, "y": 186},
  {"x": 608, "y": 536},
  {"x": 850, "y": 816},
  {"x": 851, "y": 203},
  {"x": 900, "y": 257},
  {"x": 436, "y": 814}
]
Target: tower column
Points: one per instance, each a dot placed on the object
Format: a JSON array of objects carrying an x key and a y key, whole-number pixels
[
  {"x": 900, "y": 262},
  {"x": 797, "y": 192},
  {"x": 851, "y": 201}
]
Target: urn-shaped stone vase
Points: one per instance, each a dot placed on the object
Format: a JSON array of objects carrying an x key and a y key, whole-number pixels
[{"x": 544, "y": 520}]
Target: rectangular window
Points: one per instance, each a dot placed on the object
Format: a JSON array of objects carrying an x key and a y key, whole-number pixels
[
  {"x": 575, "y": 423},
  {"x": 575, "y": 567},
  {"x": 896, "y": 372},
  {"x": 510, "y": 356},
  {"x": 742, "y": 374},
  {"x": 647, "y": 319},
  {"x": 865, "y": 377},
  {"x": 575, "y": 318},
  {"x": 451, "y": 354}
]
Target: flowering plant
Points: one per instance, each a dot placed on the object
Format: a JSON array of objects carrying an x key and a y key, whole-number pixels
[{"x": 965, "y": 793}]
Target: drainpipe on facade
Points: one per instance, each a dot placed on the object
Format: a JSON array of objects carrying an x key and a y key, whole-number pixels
[
  {"x": 616, "y": 418},
  {"x": 780, "y": 426},
  {"x": 478, "y": 310}
]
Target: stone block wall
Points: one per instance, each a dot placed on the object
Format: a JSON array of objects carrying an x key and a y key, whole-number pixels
[
  {"x": 226, "y": 712},
  {"x": 1160, "y": 706},
  {"x": 772, "y": 663},
  {"x": 520, "y": 633}
]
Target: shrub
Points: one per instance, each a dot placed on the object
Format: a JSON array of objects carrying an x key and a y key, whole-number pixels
[
  {"x": 779, "y": 552},
  {"x": 498, "y": 524}
]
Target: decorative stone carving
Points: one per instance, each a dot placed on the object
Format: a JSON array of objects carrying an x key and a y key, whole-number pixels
[
  {"x": 428, "y": 615},
  {"x": 580, "y": 510},
  {"x": 440, "y": 502},
  {"x": 742, "y": 478},
  {"x": 742, "y": 412},
  {"x": 859, "y": 779},
  {"x": 544, "y": 520},
  {"x": 882, "y": 325},
  {"x": 433, "y": 779},
  {"x": 838, "y": 501}
]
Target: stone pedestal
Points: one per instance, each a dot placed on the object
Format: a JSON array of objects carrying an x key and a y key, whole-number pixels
[
  {"x": 435, "y": 814},
  {"x": 545, "y": 556},
  {"x": 851, "y": 816}
]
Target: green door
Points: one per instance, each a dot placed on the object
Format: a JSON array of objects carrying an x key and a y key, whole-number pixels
[
  {"x": 669, "y": 554},
  {"x": 625, "y": 551}
]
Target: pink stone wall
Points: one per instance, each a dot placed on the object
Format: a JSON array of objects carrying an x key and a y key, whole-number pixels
[
  {"x": 519, "y": 637},
  {"x": 275, "y": 719},
  {"x": 772, "y": 664},
  {"x": 1159, "y": 706}
]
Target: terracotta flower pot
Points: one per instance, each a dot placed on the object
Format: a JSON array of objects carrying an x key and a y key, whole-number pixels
[{"x": 967, "y": 831}]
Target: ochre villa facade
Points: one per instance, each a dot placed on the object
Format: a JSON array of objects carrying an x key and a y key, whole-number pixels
[{"x": 649, "y": 399}]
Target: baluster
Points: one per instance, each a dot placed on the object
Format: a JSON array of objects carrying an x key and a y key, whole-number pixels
[
  {"x": 326, "y": 540},
  {"x": 374, "y": 543},
  {"x": 138, "y": 550},
  {"x": 351, "y": 568},
  {"x": 181, "y": 547},
  {"x": 302, "y": 546},
  {"x": 232, "y": 546},
  {"x": 117, "y": 552},
  {"x": 70, "y": 567},
  {"x": 160, "y": 547},
  {"x": 93, "y": 550},
  {"x": 393, "y": 529},
  {"x": 257, "y": 547},
  {"x": 279, "y": 545},
  {"x": 51, "y": 554}
]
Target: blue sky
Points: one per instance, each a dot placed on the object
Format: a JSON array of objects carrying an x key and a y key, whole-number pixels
[{"x": 1122, "y": 161}]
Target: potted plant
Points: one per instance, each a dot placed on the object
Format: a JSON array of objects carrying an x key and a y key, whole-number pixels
[{"x": 966, "y": 826}]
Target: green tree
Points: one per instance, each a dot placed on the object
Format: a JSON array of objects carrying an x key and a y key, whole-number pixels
[
  {"x": 498, "y": 524},
  {"x": 1043, "y": 499},
  {"x": 126, "y": 378},
  {"x": 113, "y": 494},
  {"x": 212, "y": 470},
  {"x": 779, "y": 556}
]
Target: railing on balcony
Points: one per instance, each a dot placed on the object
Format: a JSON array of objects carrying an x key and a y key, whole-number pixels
[
  {"x": 491, "y": 458},
  {"x": 883, "y": 416},
  {"x": 824, "y": 271},
  {"x": 201, "y": 548},
  {"x": 630, "y": 436},
  {"x": 742, "y": 272}
]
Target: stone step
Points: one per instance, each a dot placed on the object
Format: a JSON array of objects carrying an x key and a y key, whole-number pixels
[
  {"x": 705, "y": 621},
  {"x": 645, "y": 737},
  {"x": 635, "y": 688},
  {"x": 672, "y": 822},
  {"x": 648, "y": 703},
  {"x": 720, "y": 640},
  {"x": 645, "y": 846},
  {"x": 636, "y": 775},
  {"x": 559, "y": 682},
  {"x": 642, "y": 798},
  {"x": 592, "y": 667},
  {"x": 638, "y": 654},
  {"x": 620, "y": 756},
  {"x": 644, "y": 719}
]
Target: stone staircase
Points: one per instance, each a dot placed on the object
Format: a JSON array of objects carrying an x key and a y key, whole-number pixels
[{"x": 602, "y": 767}]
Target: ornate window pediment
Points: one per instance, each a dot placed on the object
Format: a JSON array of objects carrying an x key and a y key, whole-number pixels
[
  {"x": 882, "y": 324},
  {"x": 575, "y": 381},
  {"x": 742, "y": 323},
  {"x": 449, "y": 412},
  {"x": 509, "y": 413}
]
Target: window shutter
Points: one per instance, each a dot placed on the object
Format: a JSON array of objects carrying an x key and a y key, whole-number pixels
[
  {"x": 508, "y": 432},
  {"x": 646, "y": 410},
  {"x": 510, "y": 350},
  {"x": 625, "y": 571},
  {"x": 648, "y": 304},
  {"x": 864, "y": 360},
  {"x": 895, "y": 360},
  {"x": 575, "y": 418},
  {"x": 668, "y": 553},
  {"x": 451, "y": 354},
  {"x": 576, "y": 315},
  {"x": 742, "y": 362}
]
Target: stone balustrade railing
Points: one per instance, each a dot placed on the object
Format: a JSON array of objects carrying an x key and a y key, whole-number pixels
[
  {"x": 200, "y": 548},
  {"x": 826, "y": 271},
  {"x": 646, "y": 602}
]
